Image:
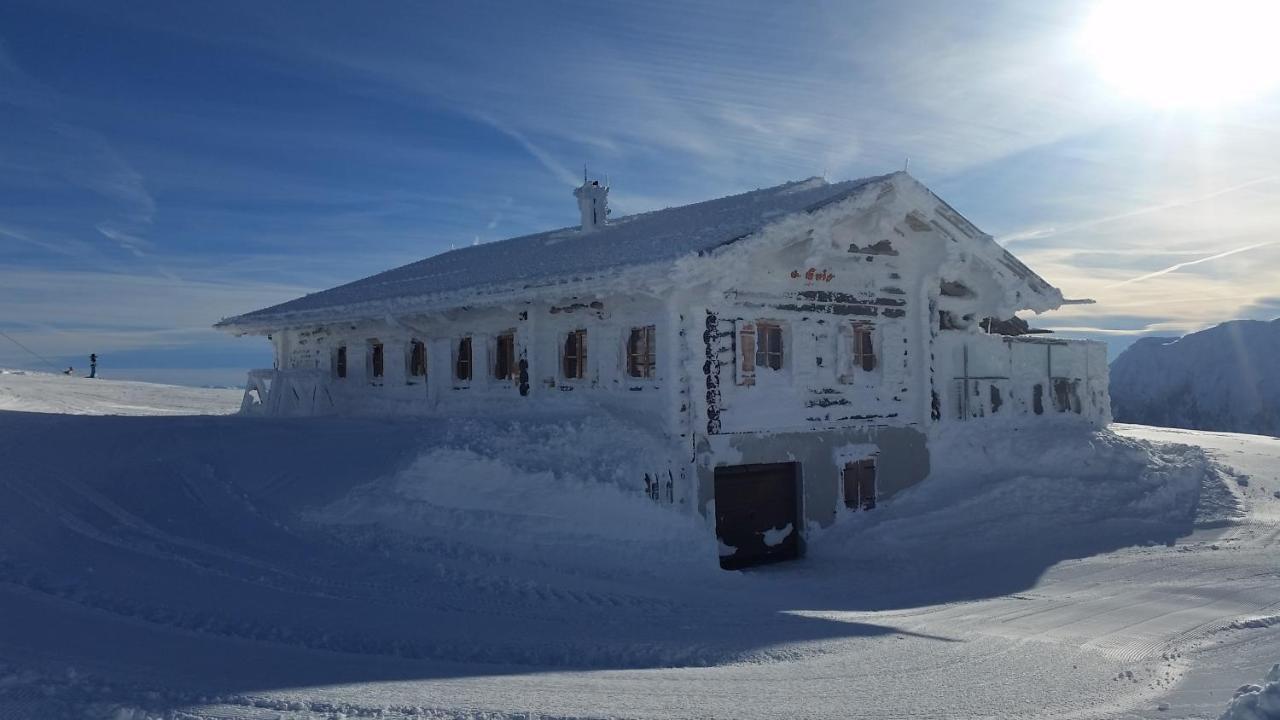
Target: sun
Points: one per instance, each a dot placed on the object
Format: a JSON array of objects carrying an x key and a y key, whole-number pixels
[{"x": 1186, "y": 53}]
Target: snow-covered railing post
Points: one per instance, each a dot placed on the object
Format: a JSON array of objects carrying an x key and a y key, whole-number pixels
[
  {"x": 287, "y": 392},
  {"x": 257, "y": 392}
]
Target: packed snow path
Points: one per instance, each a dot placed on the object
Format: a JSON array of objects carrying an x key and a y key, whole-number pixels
[{"x": 233, "y": 567}]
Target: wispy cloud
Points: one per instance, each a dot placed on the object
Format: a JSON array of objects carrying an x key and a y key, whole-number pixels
[
  {"x": 71, "y": 313},
  {"x": 128, "y": 241},
  {"x": 387, "y": 148},
  {"x": 79, "y": 156},
  {"x": 1189, "y": 263},
  {"x": 1046, "y": 232},
  {"x": 57, "y": 247},
  {"x": 537, "y": 152}
]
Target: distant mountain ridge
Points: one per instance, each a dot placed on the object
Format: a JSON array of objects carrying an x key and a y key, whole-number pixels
[{"x": 1224, "y": 378}]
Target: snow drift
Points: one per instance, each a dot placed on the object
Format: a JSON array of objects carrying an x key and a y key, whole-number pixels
[
  {"x": 537, "y": 494},
  {"x": 1025, "y": 496},
  {"x": 160, "y": 564},
  {"x": 1257, "y": 702},
  {"x": 1224, "y": 378}
]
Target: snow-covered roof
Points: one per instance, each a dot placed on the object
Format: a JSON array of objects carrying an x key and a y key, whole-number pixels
[{"x": 566, "y": 255}]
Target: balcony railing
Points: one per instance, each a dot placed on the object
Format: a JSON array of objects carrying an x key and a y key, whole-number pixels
[{"x": 286, "y": 392}]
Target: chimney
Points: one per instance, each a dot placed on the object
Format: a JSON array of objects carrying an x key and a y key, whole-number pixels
[{"x": 593, "y": 203}]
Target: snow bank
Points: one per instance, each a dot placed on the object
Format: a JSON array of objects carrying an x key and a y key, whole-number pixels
[
  {"x": 1257, "y": 702},
  {"x": 1000, "y": 491},
  {"x": 508, "y": 542},
  {"x": 565, "y": 509},
  {"x": 539, "y": 491}
]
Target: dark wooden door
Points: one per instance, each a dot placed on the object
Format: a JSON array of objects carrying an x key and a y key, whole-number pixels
[{"x": 757, "y": 513}]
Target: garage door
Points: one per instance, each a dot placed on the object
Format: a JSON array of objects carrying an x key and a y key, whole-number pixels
[{"x": 757, "y": 513}]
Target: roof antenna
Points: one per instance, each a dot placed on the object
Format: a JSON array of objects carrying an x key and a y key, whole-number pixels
[
  {"x": 906, "y": 162},
  {"x": 584, "y": 173}
]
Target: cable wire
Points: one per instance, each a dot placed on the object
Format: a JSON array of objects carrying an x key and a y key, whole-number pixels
[{"x": 46, "y": 360}]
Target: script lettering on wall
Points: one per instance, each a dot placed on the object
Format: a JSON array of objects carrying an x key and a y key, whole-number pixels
[{"x": 813, "y": 275}]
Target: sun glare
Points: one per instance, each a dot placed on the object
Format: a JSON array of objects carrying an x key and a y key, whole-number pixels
[{"x": 1186, "y": 53}]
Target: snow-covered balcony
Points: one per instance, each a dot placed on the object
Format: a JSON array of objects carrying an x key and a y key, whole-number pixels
[
  {"x": 287, "y": 392},
  {"x": 986, "y": 375}
]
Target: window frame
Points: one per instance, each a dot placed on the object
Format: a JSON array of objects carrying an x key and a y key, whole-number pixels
[
  {"x": 642, "y": 357},
  {"x": 770, "y": 333},
  {"x": 376, "y": 361},
  {"x": 863, "y": 349},
  {"x": 579, "y": 337},
  {"x": 858, "y": 356},
  {"x": 416, "y": 359},
  {"x": 508, "y": 358},
  {"x": 460, "y": 360},
  {"x": 340, "y": 368}
]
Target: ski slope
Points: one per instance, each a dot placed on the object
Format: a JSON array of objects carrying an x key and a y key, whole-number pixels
[
  {"x": 30, "y": 391},
  {"x": 229, "y": 567}
]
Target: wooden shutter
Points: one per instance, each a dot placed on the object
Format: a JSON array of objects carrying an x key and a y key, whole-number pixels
[
  {"x": 504, "y": 362},
  {"x": 860, "y": 484},
  {"x": 376, "y": 358},
  {"x": 417, "y": 359},
  {"x": 574, "y": 358},
  {"x": 846, "y": 353},
  {"x": 462, "y": 360},
  {"x": 746, "y": 361},
  {"x": 569, "y": 356},
  {"x": 865, "y": 348}
]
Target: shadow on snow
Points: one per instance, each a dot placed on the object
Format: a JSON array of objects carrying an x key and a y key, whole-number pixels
[{"x": 173, "y": 548}]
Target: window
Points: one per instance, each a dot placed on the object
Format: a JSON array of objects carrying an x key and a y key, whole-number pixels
[
  {"x": 575, "y": 355},
  {"x": 417, "y": 359},
  {"x": 462, "y": 364},
  {"x": 340, "y": 361},
  {"x": 860, "y": 484},
  {"x": 504, "y": 362},
  {"x": 375, "y": 360},
  {"x": 769, "y": 345},
  {"x": 1066, "y": 395},
  {"x": 864, "y": 354},
  {"x": 641, "y": 352},
  {"x": 856, "y": 352}
]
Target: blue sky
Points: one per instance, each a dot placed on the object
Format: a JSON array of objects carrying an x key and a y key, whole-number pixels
[{"x": 163, "y": 165}]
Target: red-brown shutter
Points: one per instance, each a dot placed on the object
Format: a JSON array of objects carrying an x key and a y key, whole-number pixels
[{"x": 746, "y": 364}]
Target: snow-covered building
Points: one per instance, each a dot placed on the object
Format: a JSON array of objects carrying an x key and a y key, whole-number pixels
[{"x": 798, "y": 347}]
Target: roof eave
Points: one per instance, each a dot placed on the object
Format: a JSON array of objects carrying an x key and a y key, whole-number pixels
[{"x": 375, "y": 310}]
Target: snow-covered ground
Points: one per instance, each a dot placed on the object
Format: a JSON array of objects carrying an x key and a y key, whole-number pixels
[
  {"x": 231, "y": 567},
  {"x": 30, "y": 391}
]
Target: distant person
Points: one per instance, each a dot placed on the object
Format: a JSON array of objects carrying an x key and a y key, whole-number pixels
[{"x": 93, "y": 365}]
